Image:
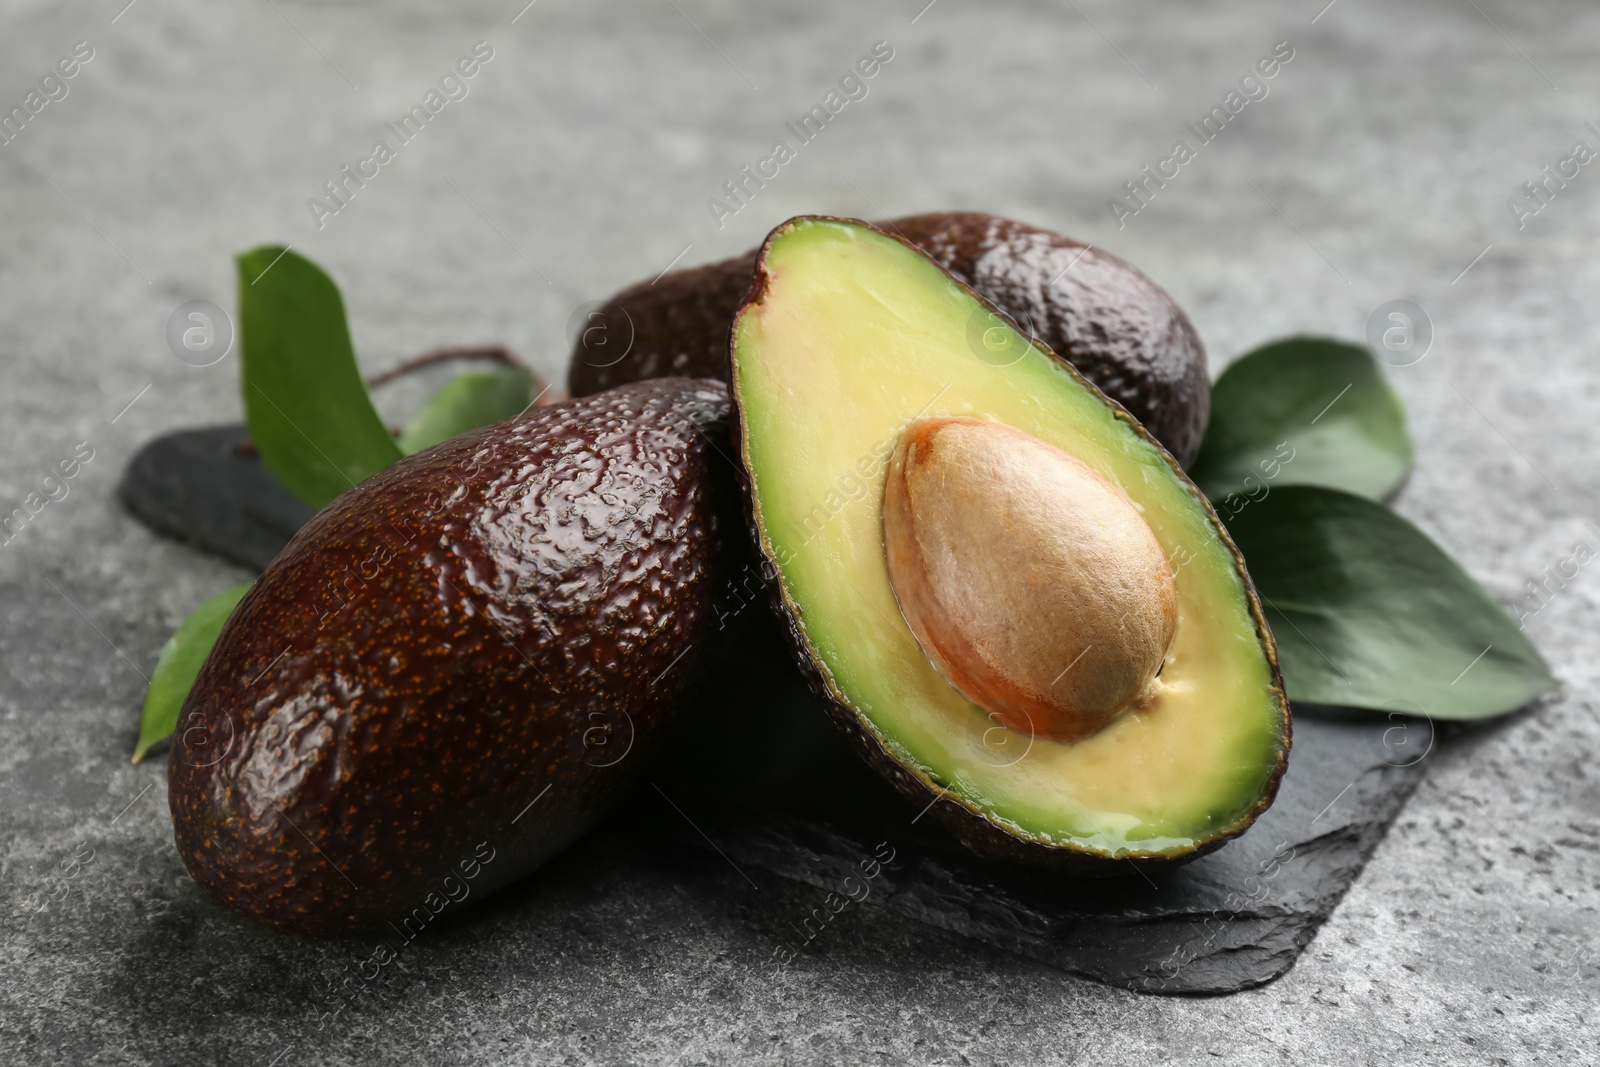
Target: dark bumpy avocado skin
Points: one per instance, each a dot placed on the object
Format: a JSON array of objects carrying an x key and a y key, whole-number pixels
[
  {"x": 458, "y": 665},
  {"x": 967, "y": 824},
  {"x": 677, "y": 324},
  {"x": 1116, "y": 326}
]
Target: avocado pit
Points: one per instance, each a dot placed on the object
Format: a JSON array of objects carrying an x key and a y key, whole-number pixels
[{"x": 1030, "y": 581}]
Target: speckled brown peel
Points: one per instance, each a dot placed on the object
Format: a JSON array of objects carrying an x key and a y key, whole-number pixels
[
  {"x": 456, "y": 667},
  {"x": 1106, "y": 318},
  {"x": 977, "y": 830}
]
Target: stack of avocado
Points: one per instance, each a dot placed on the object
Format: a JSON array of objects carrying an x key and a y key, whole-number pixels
[{"x": 955, "y": 446}]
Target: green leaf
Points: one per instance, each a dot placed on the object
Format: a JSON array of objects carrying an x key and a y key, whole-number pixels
[
  {"x": 180, "y": 662},
  {"x": 1369, "y": 613},
  {"x": 466, "y": 402},
  {"x": 1323, "y": 404},
  {"x": 304, "y": 400}
]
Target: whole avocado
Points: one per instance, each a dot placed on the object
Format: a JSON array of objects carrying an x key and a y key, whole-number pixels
[
  {"x": 456, "y": 667},
  {"x": 1102, "y": 315}
]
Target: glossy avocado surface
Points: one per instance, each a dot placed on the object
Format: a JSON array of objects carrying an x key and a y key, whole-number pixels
[
  {"x": 1105, "y": 317},
  {"x": 854, "y": 348},
  {"x": 456, "y": 667}
]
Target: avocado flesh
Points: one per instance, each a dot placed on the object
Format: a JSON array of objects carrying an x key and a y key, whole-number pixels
[{"x": 848, "y": 337}]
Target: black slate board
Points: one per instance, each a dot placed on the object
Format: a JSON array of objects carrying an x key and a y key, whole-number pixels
[
  {"x": 811, "y": 811},
  {"x": 209, "y": 488}
]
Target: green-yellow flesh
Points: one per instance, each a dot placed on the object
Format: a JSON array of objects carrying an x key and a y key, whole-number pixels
[{"x": 854, "y": 337}]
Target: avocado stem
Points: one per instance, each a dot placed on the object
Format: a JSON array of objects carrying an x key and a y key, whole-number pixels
[
  {"x": 544, "y": 395},
  {"x": 450, "y": 353}
]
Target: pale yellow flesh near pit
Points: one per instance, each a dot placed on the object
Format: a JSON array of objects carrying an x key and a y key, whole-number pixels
[{"x": 857, "y": 335}]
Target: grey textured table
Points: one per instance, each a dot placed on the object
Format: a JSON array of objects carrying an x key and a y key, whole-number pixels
[{"x": 1378, "y": 167}]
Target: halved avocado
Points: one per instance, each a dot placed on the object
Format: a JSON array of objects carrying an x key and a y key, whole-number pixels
[{"x": 852, "y": 350}]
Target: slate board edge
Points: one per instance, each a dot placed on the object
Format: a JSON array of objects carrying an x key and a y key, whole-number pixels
[{"x": 1280, "y": 937}]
